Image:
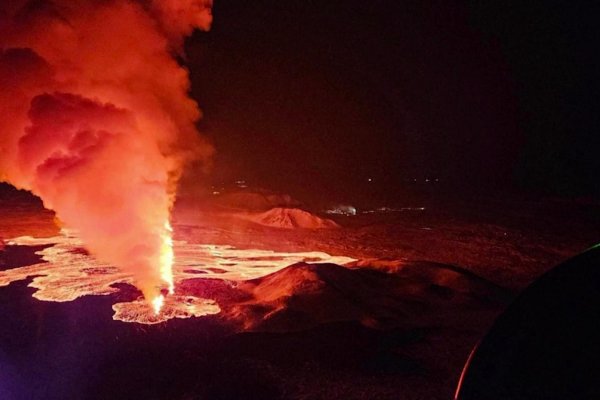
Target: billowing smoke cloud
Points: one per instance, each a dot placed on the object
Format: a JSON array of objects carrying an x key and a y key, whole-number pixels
[{"x": 95, "y": 118}]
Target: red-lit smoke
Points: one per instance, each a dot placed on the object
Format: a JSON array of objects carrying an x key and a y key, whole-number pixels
[{"x": 95, "y": 118}]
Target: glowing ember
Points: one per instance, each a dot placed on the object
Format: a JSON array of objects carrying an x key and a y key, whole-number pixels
[{"x": 68, "y": 273}]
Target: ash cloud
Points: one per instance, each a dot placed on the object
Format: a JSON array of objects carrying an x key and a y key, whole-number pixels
[{"x": 96, "y": 120}]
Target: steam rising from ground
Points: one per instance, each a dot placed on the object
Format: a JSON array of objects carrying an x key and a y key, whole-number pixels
[
  {"x": 68, "y": 273},
  {"x": 95, "y": 119}
]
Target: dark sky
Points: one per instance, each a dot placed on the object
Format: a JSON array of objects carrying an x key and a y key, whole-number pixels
[{"x": 321, "y": 95}]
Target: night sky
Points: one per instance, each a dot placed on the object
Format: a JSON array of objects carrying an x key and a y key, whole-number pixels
[{"x": 321, "y": 96}]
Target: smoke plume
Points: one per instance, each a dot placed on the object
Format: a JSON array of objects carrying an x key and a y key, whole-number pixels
[{"x": 96, "y": 120}]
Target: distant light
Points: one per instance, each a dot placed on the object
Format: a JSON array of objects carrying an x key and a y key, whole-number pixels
[
  {"x": 370, "y": 179},
  {"x": 241, "y": 183},
  {"x": 342, "y": 210},
  {"x": 216, "y": 193}
]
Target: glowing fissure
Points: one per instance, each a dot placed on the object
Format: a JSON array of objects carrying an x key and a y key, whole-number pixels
[
  {"x": 96, "y": 120},
  {"x": 67, "y": 274}
]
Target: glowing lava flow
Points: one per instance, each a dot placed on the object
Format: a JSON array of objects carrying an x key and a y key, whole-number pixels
[{"x": 67, "y": 272}]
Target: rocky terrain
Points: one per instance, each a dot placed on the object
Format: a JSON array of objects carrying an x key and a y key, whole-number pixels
[{"x": 397, "y": 323}]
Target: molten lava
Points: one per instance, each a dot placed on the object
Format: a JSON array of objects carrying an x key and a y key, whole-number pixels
[
  {"x": 166, "y": 266},
  {"x": 97, "y": 121},
  {"x": 157, "y": 303},
  {"x": 68, "y": 273},
  {"x": 166, "y": 257}
]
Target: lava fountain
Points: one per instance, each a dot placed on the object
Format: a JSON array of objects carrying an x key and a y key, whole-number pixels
[
  {"x": 166, "y": 258},
  {"x": 66, "y": 274},
  {"x": 166, "y": 266},
  {"x": 96, "y": 120}
]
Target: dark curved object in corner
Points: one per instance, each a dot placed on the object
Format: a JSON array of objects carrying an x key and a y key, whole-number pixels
[{"x": 546, "y": 345}]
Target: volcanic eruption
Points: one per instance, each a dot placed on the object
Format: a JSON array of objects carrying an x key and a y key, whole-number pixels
[{"x": 97, "y": 121}]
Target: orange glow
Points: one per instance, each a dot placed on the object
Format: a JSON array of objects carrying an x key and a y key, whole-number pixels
[
  {"x": 67, "y": 274},
  {"x": 167, "y": 257},
  {"x": 173, "y": 307},
  {"x": 157, "y": 303},
  {"x": 97, "y": 121}
]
